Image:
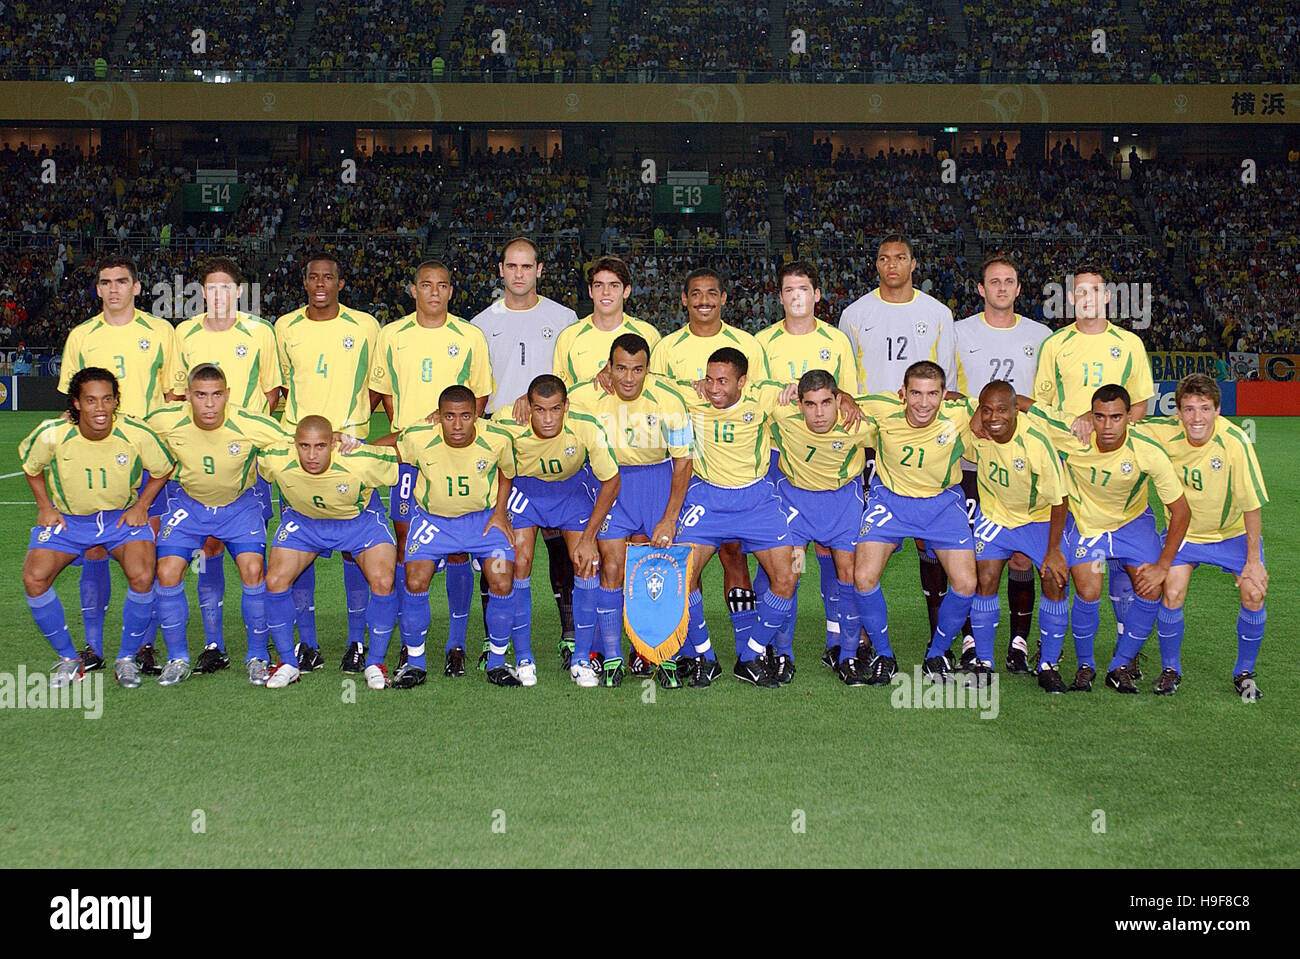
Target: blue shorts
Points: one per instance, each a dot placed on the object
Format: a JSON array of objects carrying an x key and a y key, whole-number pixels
[
  {"x": 188, "y": 523},
  {"x": 642, "y": 499},
  {"x": 1134, "y": 543},
  {"x": 1229, "y": 555},
  {"x": 159, "y": 504},
  {"x": 437, "y": 537},
  {"x": 262, "y": 490},
  {"x": 752, "y": 516},
  {"x": 828, "y": 517},
  {"x": 401, "y": 498},
  {"x": 999, "y": 542},
  {"x": 81, "y": 533},
  {"x": 938, "y": 521},
  {"x": 774, "y": 474},
  {"x": 323, "y": 536},
  {"x": 563, "y": 504}
]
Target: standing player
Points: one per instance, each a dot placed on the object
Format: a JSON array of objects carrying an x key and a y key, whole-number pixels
[
  {"x": 1077, "y": 359},
  {"x": 416, "y": 358},
  {"x": 328, "y": 501},
  {"x": 521, "y": 330},
  {"x": 798, "y": 343},
  {"x": 820, "y": 488},
  {"x": 683, "y": 356},
  {"x": 1110, "y": 520},
  {"x": 104, "y": 508},
  {"x": 215, "y": 444},
  {"x": 651, "y": 435},
  {"x": 243, "y": 346},
  {"x": 583, "y": 348},
  {"x": 917, "y": 462},
  {"x": 474, "y": 462},
  {"x": 140, "y": 351},
  {"x": 730, "y": 494},
  {"x": 999, "y": 344},
  {"x": 1021, "y": 510},
  {"x": 325, "y": 352},
  {"x": 892, "y": 327},
  {"x": 1216, "y": 463},
  {"x": 558, "y": 456}
]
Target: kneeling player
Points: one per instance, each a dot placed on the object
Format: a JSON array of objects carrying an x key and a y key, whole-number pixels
[
  {"x": 1022, "y": 510},
  {"x": 731, "y": 498},
  {"x": 556, "y": 455},
  {"x": 918, "y": 463},
  {"x": 1110, "y": 519},
  {"x": 215, "y": 495},
  {"x": 461, "y": 490},
  {"x": 1220, "y": 475},
  {"x": 820, "y": 488},
  {"x": 94, "y": 463},
  {"x": 650, "y": 435},
  {"x": 328, "y": 499}
]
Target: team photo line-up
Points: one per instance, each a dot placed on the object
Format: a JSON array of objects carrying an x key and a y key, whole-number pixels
[{"x": 992, "y": 443}]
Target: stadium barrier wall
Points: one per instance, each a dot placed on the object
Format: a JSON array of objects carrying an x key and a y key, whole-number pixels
[
  {"x": 31, "y": 393},
  {"x": 1257, "y": 398}
]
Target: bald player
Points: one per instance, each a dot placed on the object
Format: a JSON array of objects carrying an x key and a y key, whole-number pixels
[
  {"x": 521, "y": 329},
  {"x": 140, "y": 351},
  {"x": 892, "y": 327}
]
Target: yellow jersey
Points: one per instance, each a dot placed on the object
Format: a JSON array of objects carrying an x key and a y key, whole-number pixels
[
  {"x": 326, "y": 367},
  {"x": 1221, "y": 477},
  {"x": 342, "y": 491},
  {"x": 1107, "y": 490},
  {"x": 683, "y": 356},
  {"x": 647, "y": 430},
  {"x": 820, "y": 461},
  {"x": 141, "y": 354},
  {"x": 86, "y": 476},
  {"x": 790, "y": 356},
  {"x": 733, "y": 447},
  {"x": 453, "y": 482},
  {"x": 918, "y": 461},
  {"x": 581, "y": 439},
  {"x": 246, "y": 353},
  {"x": 217, "y": 466},
  {"x": 1073, "y": 365},
  {"x": 414, "y": 364},
  {"x": 1019, "y": 480},
  {"x": 582, "y": 350}
]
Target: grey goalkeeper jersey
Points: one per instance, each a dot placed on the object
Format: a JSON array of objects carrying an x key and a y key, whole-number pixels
[{"x": 521, "y": 345}]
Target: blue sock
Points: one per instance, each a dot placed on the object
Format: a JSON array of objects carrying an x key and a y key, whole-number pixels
[
  {"x": 357, "y": 591},
  {"x": 381, "y": 617},
  {"x": 1053, "y": 621},
  {"x": 1085, "y": 617},
  {"x": 830, "y": 586},
  {"x": 1137, "y": 627},
  {"x": 953, "y": 610},
  {"x": 784, "y": 638},
  {"x": 460, "y": 594},
  {"x": 252, "y": 607},
  {"x": 405, "y": 602},
  {"x": 698, "y": 629},
  {"x": 96, "y": 588},
  {"x": 174, "y": 616},
  {"x": 584, "y": 617},
  {"x": 773, "y": 613},
  {"x": 138, "y": 618},
  {"x": 609, "y": 621},
  {"x": 498, "y": 618},
  {"x": 521, "y": 633},
  {"x": 304, "y": 603},
  {"x": 212, "y": 597},
  {"x": 1169, "y": 633},
  {"x": 280, "y": 613},
  {"x": 761, "y": 584},
  {"x": 1121, "y": 594},
  {"x": 399, "y": 588},
  {"x": 874, "y": 618},
  {"x": 984, "y": 613},
  {"x": 48, "y": 613},
  {"x": 849, "y": 623},
  {"x": 1250, "y": 633},
  {"x": 415, "y": 618}
]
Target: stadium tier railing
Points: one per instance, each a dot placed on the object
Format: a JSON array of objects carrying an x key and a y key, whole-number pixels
[
  {"x": 149, "y": 243},
  {"x": 27, "y": 240},
  {"x": 750, "y": 243}
]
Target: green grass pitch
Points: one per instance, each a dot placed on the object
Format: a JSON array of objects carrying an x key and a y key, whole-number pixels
[{"x": 460, "y": 773}]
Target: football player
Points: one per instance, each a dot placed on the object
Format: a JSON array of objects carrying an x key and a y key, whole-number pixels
[
  {"x": 86, "y": 476},
  {"x": 583, "y": 348}
]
